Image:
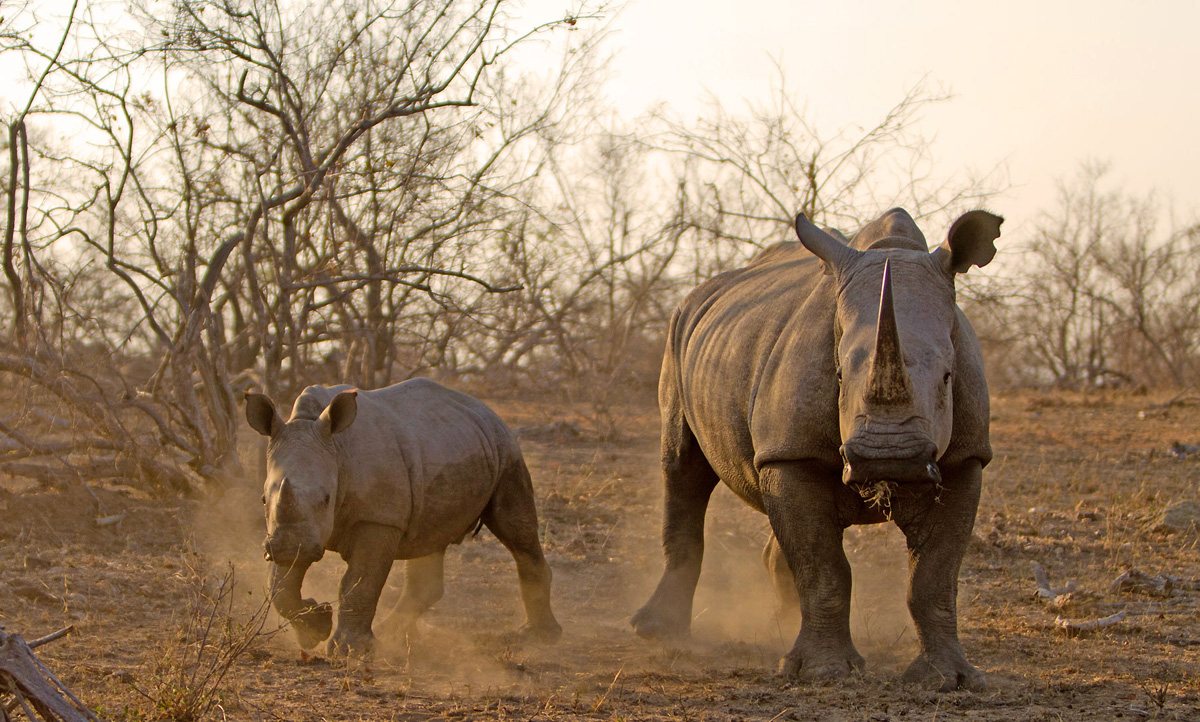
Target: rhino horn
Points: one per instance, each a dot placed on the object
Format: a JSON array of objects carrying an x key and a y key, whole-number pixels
[
  {"x": 288, "y": 508},
  {"x": 889, "y": 382}
]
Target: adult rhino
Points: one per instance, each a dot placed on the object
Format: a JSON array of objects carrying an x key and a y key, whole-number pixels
[
  {"x": 396, "y": 473},
  {"x": 824, "y": 393}
]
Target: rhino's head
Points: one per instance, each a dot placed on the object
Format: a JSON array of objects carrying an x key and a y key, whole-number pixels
[
  {"x": 895, "y": 335},
  {"x": 300, "y": 491}
]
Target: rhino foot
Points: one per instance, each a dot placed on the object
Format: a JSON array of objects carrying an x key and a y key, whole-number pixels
[
  {"x": 828, "y": 665},
  {"x": 948, "y": 671},
  {"x": 350, "y": 644},
  {"x": 544, "y": 633},
  {"x": 651, "y": 622},
  {"x": 313, "y": 624}
]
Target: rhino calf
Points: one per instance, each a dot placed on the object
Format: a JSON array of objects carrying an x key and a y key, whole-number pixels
[
  {"x": 831, "y": 383},
  {"x": 396, "y": 473}
]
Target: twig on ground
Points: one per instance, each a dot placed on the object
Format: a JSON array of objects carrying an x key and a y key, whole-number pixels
[{"x": 52, "y": 637}]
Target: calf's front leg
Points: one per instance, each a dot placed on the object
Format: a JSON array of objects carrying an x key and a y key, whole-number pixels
[{"x": 372, "y": 549}]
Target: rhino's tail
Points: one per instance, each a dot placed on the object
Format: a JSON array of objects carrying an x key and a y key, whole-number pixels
[{"x": 478, "y": 526}]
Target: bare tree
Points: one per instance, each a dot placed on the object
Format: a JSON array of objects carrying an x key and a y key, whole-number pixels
[
  {"x": 305, "y": 176},
  {"x": 1102, "y": 295},
  {"x": 752, "y": 172}
]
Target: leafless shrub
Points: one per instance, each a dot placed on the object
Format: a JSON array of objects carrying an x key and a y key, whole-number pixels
[{"x": 186, "y": 680}]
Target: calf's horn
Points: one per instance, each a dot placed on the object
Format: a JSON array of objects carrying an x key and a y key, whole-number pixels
[
  {"x": 288, "y": 508},
  {"x": 889, "y": 382}
]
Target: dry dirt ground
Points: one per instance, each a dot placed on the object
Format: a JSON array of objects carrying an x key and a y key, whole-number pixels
[{"x": 1077, "y": 485}]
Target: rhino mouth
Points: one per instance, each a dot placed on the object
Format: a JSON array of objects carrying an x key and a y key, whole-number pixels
[
  {"x": 917, "y": 467},
  {"x": 288, "y": 552}
]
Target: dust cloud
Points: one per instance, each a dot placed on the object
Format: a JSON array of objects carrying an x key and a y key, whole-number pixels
[{"x": 600, "y": 511}]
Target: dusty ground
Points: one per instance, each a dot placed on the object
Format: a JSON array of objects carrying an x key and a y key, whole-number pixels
[{"x": 1077, "y": 485}]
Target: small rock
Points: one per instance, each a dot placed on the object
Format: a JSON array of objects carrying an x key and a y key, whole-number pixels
[
  {"x": 35, "y": 562},
  {"x": 1181, "y": 450},
  {"x": 1181, "y": 517},
  {"x": 33, "y": 593}
]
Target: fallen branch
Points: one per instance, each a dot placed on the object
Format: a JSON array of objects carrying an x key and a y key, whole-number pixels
[
  {"x": 33, "y": 687},
  {"x": 1071, "y": 626}
]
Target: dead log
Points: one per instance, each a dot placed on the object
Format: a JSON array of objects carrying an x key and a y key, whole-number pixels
[
  {"x": 1071, "y": 626},
  {"x": 1162, "y": 585},
  {"x": 32, "y": 686}
]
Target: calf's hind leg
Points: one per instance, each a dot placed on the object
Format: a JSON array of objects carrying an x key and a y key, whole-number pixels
[
  {"x": 512, "y": 516},
  {"x": 424, "y": 585}
]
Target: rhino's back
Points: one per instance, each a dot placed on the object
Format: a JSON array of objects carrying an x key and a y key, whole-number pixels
[
  {"x": 745, "y": 351},
  {"x": 423, "y": 458}
]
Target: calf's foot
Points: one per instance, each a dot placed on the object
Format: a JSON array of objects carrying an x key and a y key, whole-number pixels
[
  {"x": 350, "y": 643},
  {"x": 313, "y": 623},
  {"x": 662, "y": 620},
  {"x": 544, "y": 632}
]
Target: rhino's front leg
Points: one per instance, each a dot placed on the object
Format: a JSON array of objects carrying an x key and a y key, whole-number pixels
[
  {"x": 807, "y": 505},
  {"x": 938, "y": 530},
  {"x": 311, "y": 620},
  {"x": 372, "y": 549}
]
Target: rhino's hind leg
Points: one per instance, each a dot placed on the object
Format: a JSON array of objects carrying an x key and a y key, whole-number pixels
[
  {"x": 512, "y": 516},
  {"x": 372, "y": 550},
  {"x": 424, "y": 585},
  {"x": 787, "y": 599},
  {"x": 688, "y": 481},
  {"x": 807, "y": 509},
  {"x": 937, "y": 532}
]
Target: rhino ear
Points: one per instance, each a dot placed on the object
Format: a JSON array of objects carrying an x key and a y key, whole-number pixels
[
  {"x": 261, "y": 414},
  {"x": 832, "y": 250},
  {"x": 970, "y": 241},
  {"x": 340, "y": 413}
]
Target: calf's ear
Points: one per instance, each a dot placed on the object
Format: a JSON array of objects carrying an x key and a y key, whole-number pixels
[
  {"x": 340, "y": 413},
  {"x": 261, "y": 414},
  {"x": 970, "y": 241}
]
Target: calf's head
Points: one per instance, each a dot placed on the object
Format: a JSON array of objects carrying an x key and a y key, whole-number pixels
[
  {"x": 300, "y": 491},
  {"x": 895, "y": 340}
]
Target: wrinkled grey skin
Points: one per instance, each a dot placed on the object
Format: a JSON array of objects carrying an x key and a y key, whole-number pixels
[
  {"x": 397, "y": 473},
  {"x": 801, "y": 382}
]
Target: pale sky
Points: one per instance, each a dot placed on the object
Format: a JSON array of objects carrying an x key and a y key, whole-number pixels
[{"x": 1039, "y": 86}]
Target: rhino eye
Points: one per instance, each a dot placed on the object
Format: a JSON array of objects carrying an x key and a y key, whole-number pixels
[
  {"x": 264, "y": 499},
  {"x": 946, "y": 378}
]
